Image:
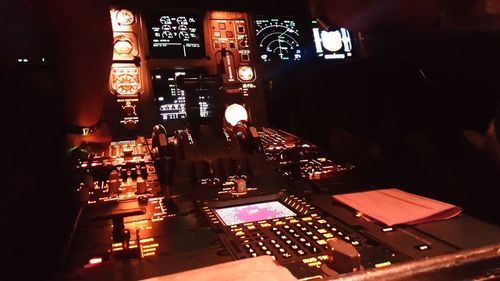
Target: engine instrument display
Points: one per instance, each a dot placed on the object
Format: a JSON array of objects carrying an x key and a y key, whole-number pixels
[
  {"x": 278, "y": 39},
  {"x": 171, "y": 100},
  {"x": 333, "y": 44},
  {"x": 253, "y": 212},
  {"x": 175, "y": 36}
]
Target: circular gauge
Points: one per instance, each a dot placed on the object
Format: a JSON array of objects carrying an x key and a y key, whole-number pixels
[
  {"x": 278, "y": 39},
  {"x": 126, "y": 84},
  {"x": 125, "y": 17},
  {"x": 245, "y": 73},
  {"x": 123, "y": 46}
]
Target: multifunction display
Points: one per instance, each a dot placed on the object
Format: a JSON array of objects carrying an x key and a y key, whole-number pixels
[
  {"x": 253, "y": 212},
  {"x": 171, "y": 100},
  {"x": 278, "y": 39},
  {"x": 332, "y": 44},
  {"x": 175, "y": 36}
]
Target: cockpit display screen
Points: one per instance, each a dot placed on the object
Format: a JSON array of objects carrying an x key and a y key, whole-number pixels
[
  {"x": 253, "y": 212},
  {"x": 278, "y": 39},
  {"x": 175, "y": 36},
  {"x": 171, "y": 100},
  {"x": 334, "y": 44}
]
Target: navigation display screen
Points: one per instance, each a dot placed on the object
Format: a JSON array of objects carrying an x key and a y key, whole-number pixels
[
  {"x": 278, "y": 39},
  {"x": 175, "y": 36},
  {"x": 253, "y": 212},
  {"x": 335, "y": 44}
]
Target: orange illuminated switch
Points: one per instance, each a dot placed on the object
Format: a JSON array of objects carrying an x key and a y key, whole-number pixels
[
  {"x": 217, "y": 34},
  {"x": 222, "y": 25},
  {"x": 229, "y": 34}
]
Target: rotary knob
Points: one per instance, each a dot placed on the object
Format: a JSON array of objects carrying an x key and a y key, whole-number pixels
[
  {"x": 129, "y": 110},
  {"x": 130, "y": 124}
]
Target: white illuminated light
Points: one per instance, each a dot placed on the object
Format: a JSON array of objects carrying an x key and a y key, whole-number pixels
[
  {"x": 332, "y": 40},
  {"x": 95, "y": 260},
  {"x": 235, "y": 113}
]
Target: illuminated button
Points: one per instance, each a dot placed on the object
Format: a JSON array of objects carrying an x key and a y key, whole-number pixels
[
  {"x": 340, "y": 233},
  {"x": 229, "y": 34},
  {"x": 268, "y": 253},
  {"x": 296, "y": 235},
  {"x": 321, "y": 242},
  {"x": 321, "y": 221},
  {"x": 239, "y": 233},
  {"x": 280, "y": 223},
  {"x": 264, "y": 225},
  {"x": 247, "y": 246},
  {"x": 222, "y": 25},
  {"x": 315, "y": 237},
  {"x": 281, "y": 250},
  {"x": 291, "y": 231},
  {"x": 287, "y": 255},
  {"x": 302, "y": 240},
  {"x": 288, "y": 242},
  {"x": 300, "y": 253},
  {"x": 309, "y": 233},
  {"x": 355, "y": 243},
  {"x": 333, "y": 229},
  {"x": 286, "y": 226},
  {"x": 328, "y": 235},
  {"x": 241, "y": 29},
  {"x": 423, "y": 247},
  {"x": 387, "y": 229},
  {"x": 322, "y": 231},
  {"x": 236, "y": 229},
  {"x": 277, "y": 245},
  {"x": 294, "y": 221},
  {"x": 295, "y": 247},
  {"x": 264, "y": 248},
  {"x": 314, "y": 215},
  {"x": 251, "y": 227},
  {"x": 283, "y": 237},
  {"x": 251, "y": 251},
  {"x": 254, "y": 254},
  {"x": 347, "y": 238},
  {"x": 217, "y": 34},
  {"x": 260, "y": 244},
  {"x": 273, "y": 241}
]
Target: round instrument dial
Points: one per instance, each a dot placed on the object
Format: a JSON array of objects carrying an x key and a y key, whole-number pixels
[
  {"x": 125, "y": 17},
  {"x": 278, "y": 39},
  {"x": 126, "y": 84},
  {"x": 245, "y": 73},
  {"x": 123, "y": 46}
]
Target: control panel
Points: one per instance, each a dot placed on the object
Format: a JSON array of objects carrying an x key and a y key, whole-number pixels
[{"x": 195, "y": 176}]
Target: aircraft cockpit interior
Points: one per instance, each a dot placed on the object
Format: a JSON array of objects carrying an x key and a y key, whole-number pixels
[{"x": 280, "y": 140}]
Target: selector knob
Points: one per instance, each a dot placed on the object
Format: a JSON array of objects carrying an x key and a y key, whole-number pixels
[
  {"x": 342, "y": 258},
  {"x": 129, "y": 110},
  {"x": 130, "y": 124}
]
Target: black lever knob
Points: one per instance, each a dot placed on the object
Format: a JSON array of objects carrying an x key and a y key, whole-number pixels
[{"x": 342, "y": 258}]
